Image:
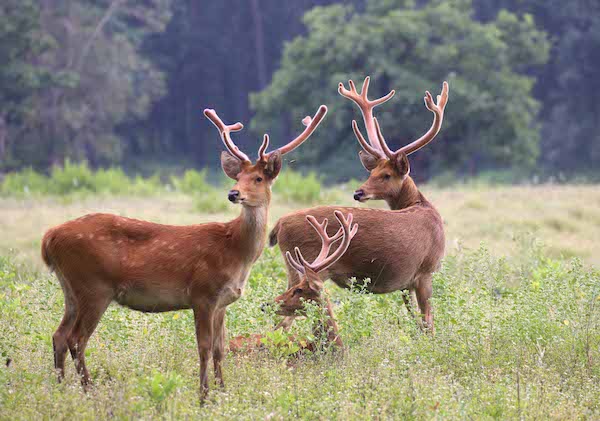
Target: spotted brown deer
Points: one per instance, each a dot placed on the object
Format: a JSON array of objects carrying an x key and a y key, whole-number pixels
[
  {"x": 310, "y": 285},
  {"x": 100, "y": 258},
  {"x": 396, "y": 249}
]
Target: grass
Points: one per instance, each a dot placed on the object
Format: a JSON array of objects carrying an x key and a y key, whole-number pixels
[{"x": 517, "y": 320}]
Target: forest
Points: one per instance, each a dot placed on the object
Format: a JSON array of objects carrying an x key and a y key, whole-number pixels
[{"x": 123, "y": 83}]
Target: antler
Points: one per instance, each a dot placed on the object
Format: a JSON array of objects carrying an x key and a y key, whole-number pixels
[
  {"x": 323, "y": 261},
  {"x": 225, "y": 131},
  {"x": 438, "y": 117},
  {"x": 366, "y": 107},
  {"x": 311, "y": 124}
]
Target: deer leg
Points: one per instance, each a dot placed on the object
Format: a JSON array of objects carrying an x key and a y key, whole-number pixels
[
  {"x": 204, "y": 314},
  {"x": 423, "y": 291},
  {"x": 90, "y": 311},
  {"x": 410, "y": 301},
  {"x": 218, "y": 345},
  {"x": 59, "y": 339}
]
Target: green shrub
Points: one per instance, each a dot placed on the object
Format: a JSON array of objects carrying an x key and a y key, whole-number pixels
[
  {"x": 72, "y": 178},
  {"x": 26, "y": 182},
  {"x": 294, "y": 187},
  {"x": 141, "y": 186},
  {"x": 212, "y": 201},
  {"x": 192, "y": 182},
  {"x": 159, "y": 386},
  {"x": 111, "y": 180}
]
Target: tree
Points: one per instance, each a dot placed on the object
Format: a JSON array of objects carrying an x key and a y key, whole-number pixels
[
  {"x": 105, "y": 80},
  {"x": 21, "y": 41},
  {"x": 566, "y": 85},
  {"x": 491, "y": 116}
]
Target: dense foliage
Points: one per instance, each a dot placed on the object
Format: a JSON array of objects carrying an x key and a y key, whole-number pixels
[
  {"x": 122, "y": 82},
  {"x": 491, "y": 116}
]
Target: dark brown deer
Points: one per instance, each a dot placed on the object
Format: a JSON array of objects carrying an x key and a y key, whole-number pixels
[
  {"x": 100, "y": 258},
  {"x": 310, "y": 286},
  {"x": 396, "y": 249}
]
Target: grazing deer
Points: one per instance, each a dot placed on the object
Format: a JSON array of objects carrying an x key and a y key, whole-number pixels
[
  {"x": 397, "y": 249},
  {"x": 310, "y": 285},
  {"x": 100, "y": 258}
]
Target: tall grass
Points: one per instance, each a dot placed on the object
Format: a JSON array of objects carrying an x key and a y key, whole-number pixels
[{"x": 514, "y": 339}]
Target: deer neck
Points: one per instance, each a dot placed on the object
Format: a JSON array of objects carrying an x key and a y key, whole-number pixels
[
  {"x": 409, "y": 195},
  {"x": 252, "y": 230}
]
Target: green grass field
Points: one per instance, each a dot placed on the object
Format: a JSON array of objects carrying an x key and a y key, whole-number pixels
[{"x": 516, "y": 304}]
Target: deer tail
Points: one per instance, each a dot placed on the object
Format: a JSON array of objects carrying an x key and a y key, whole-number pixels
[
  {"x": 46, "y": 244},
  {"x": 274, "y": 233}
]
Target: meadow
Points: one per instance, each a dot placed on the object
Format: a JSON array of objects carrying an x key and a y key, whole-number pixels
[{"x": 516, "y": 304}]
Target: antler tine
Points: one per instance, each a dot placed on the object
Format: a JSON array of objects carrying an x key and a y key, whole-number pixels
[
  {"x": 263, "y": 147},
  {"x": 347, "y": 234},
  {"x": 366, "y": 107},
  {"x": 294, "y": 263},
  {"x": 438, "y": 118},
  {"x": 225, "y": 131},
  {"x": 311, "y": 124},
  {"x": 365, "y": 145},
  {"x": 326, "y": 240},
  {"x": 301, "y": 258},
  {"x": 386, "y": 149}
]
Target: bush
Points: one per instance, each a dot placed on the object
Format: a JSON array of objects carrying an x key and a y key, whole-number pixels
[
  {"x": 213, "y": 201},
  {"x": 111, "y": 180},
  {"x": 80, "y": 179},
  {"x": 295, "y": 187},
  {"x": 192, "y": 182},
  {"x": 72, "y": 178},
  {"x": 23, "y": 183}
]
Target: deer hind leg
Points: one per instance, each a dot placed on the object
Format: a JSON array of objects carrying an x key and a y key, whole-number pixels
[
  {"x": 218, "y": 345},
  {"x": 59, "y": 339},
  {"x": 423, "y": 292},
  {"x": 410, "y": 301},
  {"x": 91, "y": 307}
]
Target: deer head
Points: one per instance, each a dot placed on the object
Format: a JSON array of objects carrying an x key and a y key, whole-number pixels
[
  {"x": 389, "y": 169},
  {"x": 311, "y": 285},
  {"x": 254, "y": 180}
]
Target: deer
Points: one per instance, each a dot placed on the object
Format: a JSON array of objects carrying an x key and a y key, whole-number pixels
[
  {"x": 310, "y": 286},
  {"x": 397, "y": 249},
  {"x": 149, "y": 267}
]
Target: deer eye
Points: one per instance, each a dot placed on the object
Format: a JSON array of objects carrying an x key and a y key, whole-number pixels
[
  {"x": 298, "y": 291},
  {"x": 387, "y": 177},
  {"x": 259, "y": 179}
]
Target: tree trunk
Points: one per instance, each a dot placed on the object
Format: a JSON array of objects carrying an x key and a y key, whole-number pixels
[
  {"x": 3, "y": 137},
  {"x": 259, "y": 42}
]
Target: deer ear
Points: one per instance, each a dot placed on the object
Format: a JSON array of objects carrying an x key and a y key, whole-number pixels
[
  {"x": 273, "y": 165},
  {"x": 231, "y": 165},
  {"x": 401, "y": 164},
  {"x": 367, "y": 160}
]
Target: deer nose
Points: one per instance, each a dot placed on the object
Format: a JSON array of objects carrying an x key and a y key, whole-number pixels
[
  {"x": 233, "y": 195},
  {"x": 358, "y": 194}
]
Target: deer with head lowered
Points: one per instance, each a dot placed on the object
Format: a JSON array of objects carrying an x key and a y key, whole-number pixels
[
  {"x": 100, "y": 258},
  {"x": 397, "y": 249},
  {"x": 310, "y": 286}
]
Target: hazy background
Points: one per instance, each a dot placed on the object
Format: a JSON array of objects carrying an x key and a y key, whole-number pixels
[{"x": 123, "y": 83}]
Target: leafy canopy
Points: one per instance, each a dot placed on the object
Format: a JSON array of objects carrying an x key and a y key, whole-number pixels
[{"x": 491, "y": 115}]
